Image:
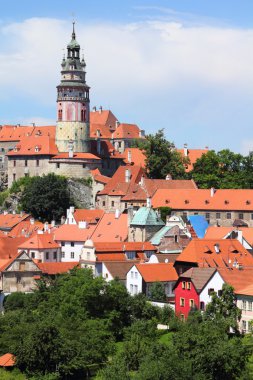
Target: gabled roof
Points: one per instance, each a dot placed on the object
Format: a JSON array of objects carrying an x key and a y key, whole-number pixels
[
  {"x": 98, "y": 177},
  {"x": 201, "y": 199},
  {"x": 166, "y": 257},
  {"x": 199, "y": 276},
  {"x": 118, "y": 185},
  {"x": 72, "y": 232},
  {"x": 102, "y": 117},
  {"x": 8, "y": 221},
  {"x": 157, "y": 272},
  {"x": 240, "y": 279},
  {"x": 111, "y": 229},
  {"x": 146, "y": 216},
  {"x": 7, "y": 360},
  {"x": 214, "y": 232},
  {"x": 193, "y": 155},
  {"x": 127, "y": 131},
  {"x": 40, "y": 241},
  {"x": 9, "y": 246},
  {"x": 57, "y": 268},
  {"x": 216, "y": 253},
  {"x": 89, "y": 216},
  {"x": 118, "y": 269}
]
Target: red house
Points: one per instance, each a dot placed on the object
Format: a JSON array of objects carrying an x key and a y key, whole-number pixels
[{"x": 194, "y": 288}]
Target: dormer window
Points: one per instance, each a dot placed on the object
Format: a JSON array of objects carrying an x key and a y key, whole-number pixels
[
  {"x": 37, "y": 149},
  {"x": 131, "y": 255}
]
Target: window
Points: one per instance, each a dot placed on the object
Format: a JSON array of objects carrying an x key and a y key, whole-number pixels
[
  {"x": 112, "y": 203},
  {"x": 251, "y": 216},
  {"x": 22, "y": 266},
  {"x": 57, "y": 165},
  {"x": 135, "y": 289},
  {"x": 55, "y": 255},
  {"x": 202, "y": 305},
  {"x": 240, "y": 215},
  {"x": 72, "y": 244},
  {"x": 63, "y": 255},
  {"x": 84, "y": 166},
  {"x": 14, "y": 177},
  {"x": 131, "y": 288},
  {"x": 14, "y": 163},
  {"x": 182, "y": 301},
  {"x": 229, "y": 216},
  {"x": 249, "y": 305},
  {"x": 132, "y": 274},
  {"x": 136, "y": 274},
  {"x": 88, "y": 255},
  {"x": 63, "y": 243},
  {"x": 208, "y": 215},
  {"x": 244, "y": 305},
  {"x": 131, "y": 255},
  {"x": 26, "y": 163},
  {"x": 189, "y": 285},
  {"x": 244, "y": 325},
  {"x": 47, "y": 255},
  {"x": 72, "y": 255},
  {"x": 37, "y": 163},
  {"x": 182, "y": 317},
  {"x": 103, "y": 203},
  {"x": 26, "y": 174},
  {"x": 183, "y": 285},
  {"x": 126, "y": 205},
  {"x": 191, "y": 303},
  {"x": 210, "y": 291},
  {"x": 33, "y": 255},
  {"x": 217, "y": 215}
]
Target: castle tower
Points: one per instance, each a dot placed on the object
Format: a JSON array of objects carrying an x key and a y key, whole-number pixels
[{"x": 73, "y": 104}]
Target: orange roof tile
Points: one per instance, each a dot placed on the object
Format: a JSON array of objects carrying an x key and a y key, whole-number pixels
[
  {"x": 137, "y": 156},
  {"x": 101, "y": 131},
  {"x": 14, "y": 132},
  {"x": 124, "y": 246},
  {"x": 111, "y": 229},
  {"x": 193, "y": 155},
  {"x": 247, "y": 291},
  {"x": 57, "y": 268},
  {"x": 127, "y": 131},
  {"x": 203, "y": 253},
  {"x": 102, "y": 117},
  {"x": 40, "y": 241},
  {"x": 214, "y": 232},
  {"x": 201, "y": 199},
  {"x": 117, "y": 185},
  {"x": 111, "y": 257},
  {"x": 72, "y": 232},
  {"x": 89, "y": 216},
  {"x": 240, "y": 279},
  {"x": 9, "y": 246},
  {"x": 157, "y": 272},
  {"x": 8, "y": 221},
  {"x": 35, "y": 145},
  {"x": 26, "y": 228},
  {"x": 7, "y": 360},
  {"x": 98, "y": 177}
]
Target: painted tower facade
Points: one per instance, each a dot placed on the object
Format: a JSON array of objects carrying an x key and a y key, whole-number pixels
[{"x": 73, "y": 103}]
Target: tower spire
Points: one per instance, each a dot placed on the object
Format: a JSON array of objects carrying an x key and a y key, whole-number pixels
[{"x": 73, "y": 33}]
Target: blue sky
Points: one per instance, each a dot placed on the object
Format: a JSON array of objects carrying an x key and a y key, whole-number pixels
[{"x": 185, "y": 66}]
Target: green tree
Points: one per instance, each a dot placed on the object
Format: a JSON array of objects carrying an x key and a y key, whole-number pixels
[
  {"x": 162, "y": 158},
  {"x": 157, "y": 292},
  {"x": 46, "y": 197},
  {"x": 223, "y": 308}
]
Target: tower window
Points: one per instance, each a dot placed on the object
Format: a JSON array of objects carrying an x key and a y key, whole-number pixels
[
  {"x": 82, "y": 115},
  {"x": 60, "y": 115}
]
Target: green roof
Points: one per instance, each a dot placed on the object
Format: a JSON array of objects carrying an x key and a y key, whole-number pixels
[
  {"x": 146, "y": 216},
  {"x": 156, "y": 239}
]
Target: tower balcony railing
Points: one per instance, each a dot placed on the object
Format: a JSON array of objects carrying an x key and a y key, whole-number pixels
[{"x": 76, "y": 98}]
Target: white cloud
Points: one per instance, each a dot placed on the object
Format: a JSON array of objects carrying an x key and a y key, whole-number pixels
[{"x": 142, "y": 65}]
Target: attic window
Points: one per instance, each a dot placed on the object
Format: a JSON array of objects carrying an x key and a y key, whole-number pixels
[
  {"x": 248, "y": 202},
  {"x": 226, "y": 202},
  {"x": 186, "y": 201},
  {"x": 207, "y": 201},
  {"x": 167, "y": 201},
  {"x": 108, "y": 224},
  {"x": 207, "y": 249}
]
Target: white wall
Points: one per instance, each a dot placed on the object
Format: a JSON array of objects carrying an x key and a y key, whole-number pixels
[
  {"x": 215, "y": 283},
  {"x": 134, "y": 281},
  {"x": 106, "y": 274},
  {"x": 67, "y": 249}
]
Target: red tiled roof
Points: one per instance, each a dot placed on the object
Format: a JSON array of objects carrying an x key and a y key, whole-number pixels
[
  {"x": 157, "y": 272},
  {"x": 35, "y": 145},
  {"x": 72, "y": 232},
  {"x": 7, "y": 360},
  {"x": 240, "y": 279},
  {"x": 9, "y": 246},
  {"x": 214, "y": 232},
  {"x": 40, "y": 241},
  {"x": 124, "y": 246},
  {"x": 117, "y": 185},
  {"x": 127, "y": 131},
  {"x": 89, "y": 216},
  {"x": 111, "y": 229},
  {"x": 203, "y": 253},
  {"x": 201, "y": 199},
  {"x": 8, "y": 221},
  {"x": 26, "y": 228},
  {"x": 101, "y": 131},
  {"x": 98, "y": 177},
  {"x": 57, "y": 268},
  {"x": 193, "y": 155},
  {"x": 110, "y": 257},
  {"x": 104, "y": 117},
  {"x": 137, "y": 156}
]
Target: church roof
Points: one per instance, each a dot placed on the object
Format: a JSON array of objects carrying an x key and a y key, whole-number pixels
[{"x": 146, "y": 216}]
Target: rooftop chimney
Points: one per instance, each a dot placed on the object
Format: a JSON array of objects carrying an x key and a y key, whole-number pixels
[
  {"x": 127, "y": 175},
  {"x": 149, "y": 202},
  {"x": 129, "y": 156},
  {"x": 82, "y": 224},
  {"x": 212, "y": 191},
  {"x": 168, "y": 177},
  {"x": 185, "y": 150},
  {"x": 46, "y": 226},
  {"x": 5, "y": 212},
  {"x": 52, "y": 223},
  {"x": 94, "y": 109},
  {"x": 117, "y": 213},
  {"x": 100, "y": 109},
  {"x": 117, "y": 123},
  {"x": 32, "y": 220}
]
